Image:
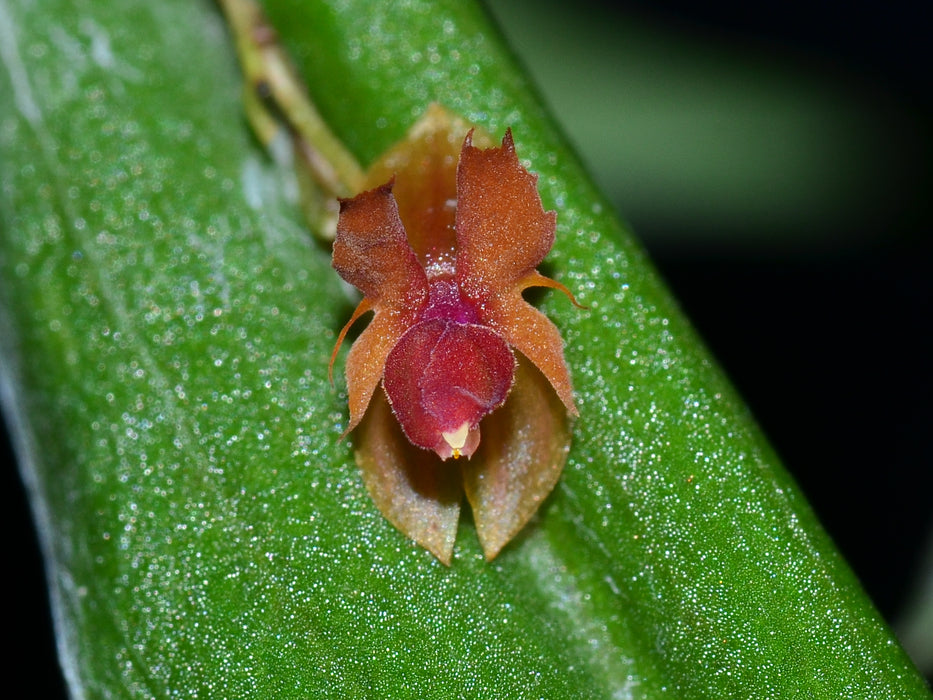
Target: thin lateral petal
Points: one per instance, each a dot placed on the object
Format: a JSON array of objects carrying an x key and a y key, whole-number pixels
[
  {"x": 413, "y": 489},
  {"x": 503, "y": 232},
  {"x": 364, "y": 307},
  {"x": 524, "y": 448},
  {"x": 534, "y": 335},
  {"x": 536, "y": 279}
]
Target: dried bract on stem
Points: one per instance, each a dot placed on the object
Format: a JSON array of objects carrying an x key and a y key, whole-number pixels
[{"x": 278, "y": 104}]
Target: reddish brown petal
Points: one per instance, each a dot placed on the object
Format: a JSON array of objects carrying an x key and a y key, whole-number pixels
[
  {"x": 442, "y": 377},
  {"x": 534, "y": 335},
  {"x": 366, "y": 362},
  {"x": 413, "y": 489},
  {"x": 524, "y": 448},
  {"x": 372, "y": 253},
  {"x": 503, "y": 232}
]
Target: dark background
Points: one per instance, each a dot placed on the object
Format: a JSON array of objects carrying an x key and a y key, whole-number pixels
[{"x": 829, "y": 343}]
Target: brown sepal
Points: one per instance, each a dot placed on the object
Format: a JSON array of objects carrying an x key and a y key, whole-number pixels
[
  {"x": 524, "y": 447},
  {"x": 411, "y": 487}
]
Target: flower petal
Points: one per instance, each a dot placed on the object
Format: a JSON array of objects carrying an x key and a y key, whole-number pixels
[
  {"x": 503, "y": 232},
  {"x": 413, "y": 489},
  {"x": 524, "y": 448},
  {"x": 366, "y": 363},
  {"x": 535, "y": 336},
  {"x": 372, "y": 253}
]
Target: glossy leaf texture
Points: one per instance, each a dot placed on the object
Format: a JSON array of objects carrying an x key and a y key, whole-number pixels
[{"x": 166, "y": 328}]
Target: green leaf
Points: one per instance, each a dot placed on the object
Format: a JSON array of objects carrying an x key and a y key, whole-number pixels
[{"x": 166, "y": 327}]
